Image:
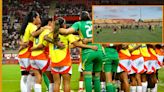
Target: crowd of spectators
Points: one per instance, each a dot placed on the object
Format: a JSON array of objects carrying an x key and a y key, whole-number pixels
[
  {"x": 69, "y": 9},
  {"x": 10, "y": 34},
  {"x": 13, "y": 14}
]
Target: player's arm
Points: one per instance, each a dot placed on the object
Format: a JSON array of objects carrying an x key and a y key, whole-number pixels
[
  {"x": 135, "y": 48},
  {"x": 22, "y": 45},
  {"x": 124, "y": 46},
  {"x": 109, "y": 45},
  {"x": 86, "y": 40},
  {"x": 20, "y": 48},
  {"x": 56, "y": 41},
  {"x": 78, "y": 44},
  {"x": 37, "y": 32},
  {"x": 82, "y": 45},
  {"x": 70, "y": 30},
  {"x": 50, "y": 40},
  {"x": 66, "y": 31},
  {"x": 39, "y": 47},
  {"x": 24, "y": 41}
]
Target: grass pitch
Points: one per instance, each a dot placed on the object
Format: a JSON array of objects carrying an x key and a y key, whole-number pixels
[{"x": 128, "y": 36}]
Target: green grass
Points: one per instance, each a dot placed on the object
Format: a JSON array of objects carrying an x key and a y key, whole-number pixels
[
  {"x": 127, "y": 35},
  {"x": 161, "y": 80},
  {"x": 11, "y": 77}
]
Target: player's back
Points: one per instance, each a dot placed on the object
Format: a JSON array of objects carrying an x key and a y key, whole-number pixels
[{"x": 85, "y": 28}]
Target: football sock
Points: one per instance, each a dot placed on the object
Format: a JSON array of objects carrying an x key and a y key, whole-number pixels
[{"x": 88, "y": 82}]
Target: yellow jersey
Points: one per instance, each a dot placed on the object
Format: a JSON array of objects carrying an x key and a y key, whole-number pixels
[
  {"x": 124, "y": 54},
  {"x": 25, "y": 53},
  {"x": 135, "y": 52},
  {"x": 61, "y": 57},
  {"x": 144, "y": 51},
  {"x": 37, "y": 54}
]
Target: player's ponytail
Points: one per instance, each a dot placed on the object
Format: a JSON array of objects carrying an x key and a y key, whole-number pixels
[
  {"x": 57, "y": 26},
  {"x": 29, "y": 18}
]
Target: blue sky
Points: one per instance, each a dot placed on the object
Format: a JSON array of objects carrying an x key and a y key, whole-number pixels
[{"x": 133, "y": 12}]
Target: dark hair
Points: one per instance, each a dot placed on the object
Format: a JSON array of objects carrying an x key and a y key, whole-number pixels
[
  {"x": 45, "y": 21},
  {"x": 61, "y": 21},
  {"x": 158, "y": 46},
  {"x": 84, "y": 15},
  {"x": 27, "y": 19},
  {"x": 150, "y": 46}
]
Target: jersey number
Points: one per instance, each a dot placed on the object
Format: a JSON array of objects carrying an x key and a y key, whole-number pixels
[{"x": 88, "y": 31}]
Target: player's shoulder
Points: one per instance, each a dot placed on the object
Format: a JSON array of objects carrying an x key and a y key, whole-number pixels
[
  {"x": 78, "y": 22},
  {"x": 88, "y": 22},
  {"x": 31, "y": 25},
  {"x": 45, "y": 32}
]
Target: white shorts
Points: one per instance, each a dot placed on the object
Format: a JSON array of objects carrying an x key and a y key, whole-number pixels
[
  {"x": 137, "y": 66},
  {"x": 61, "y": 70},
  {"x": 124, "y": 65},
  {"x": 43, "y": 65},
  {"x": 160, "y": 61},
  {"x": 154, "y": 65},
  {"x": 149, "y": 66},
  {"x": 80, "y": 67},
  {"x": 24, "y": 64}
]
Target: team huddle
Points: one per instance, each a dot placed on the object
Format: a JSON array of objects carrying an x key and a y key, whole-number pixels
[{"x": 45, "y": 51}]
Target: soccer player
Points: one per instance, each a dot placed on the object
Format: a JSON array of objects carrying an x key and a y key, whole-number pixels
[
  {"x": 39, "y": 58},
  {"x": 152, "y": 80},
  {"x": 99, "y": 29},
  {"x": 124, "y": 67},
  {"x": 137, "y": 68},
  {"x": 147, "y": 65},
  {"x": 114, "y": 29},
  {"x": 110, "y": 63},
  {"x": 91, "y": 60},
  {"x": 28, "y": 29},
  {"x": 150, "y": 27}
]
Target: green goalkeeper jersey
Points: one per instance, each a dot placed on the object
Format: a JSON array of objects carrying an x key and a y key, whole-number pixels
[{"x": 85, "y": 30}]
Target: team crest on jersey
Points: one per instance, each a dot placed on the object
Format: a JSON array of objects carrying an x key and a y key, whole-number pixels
[
  {"x": 37, "y": 40},
  {"x": 55, "y": 47}
]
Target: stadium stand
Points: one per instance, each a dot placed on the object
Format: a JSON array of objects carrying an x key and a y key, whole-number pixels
[{"x": 13, "y": 14}]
